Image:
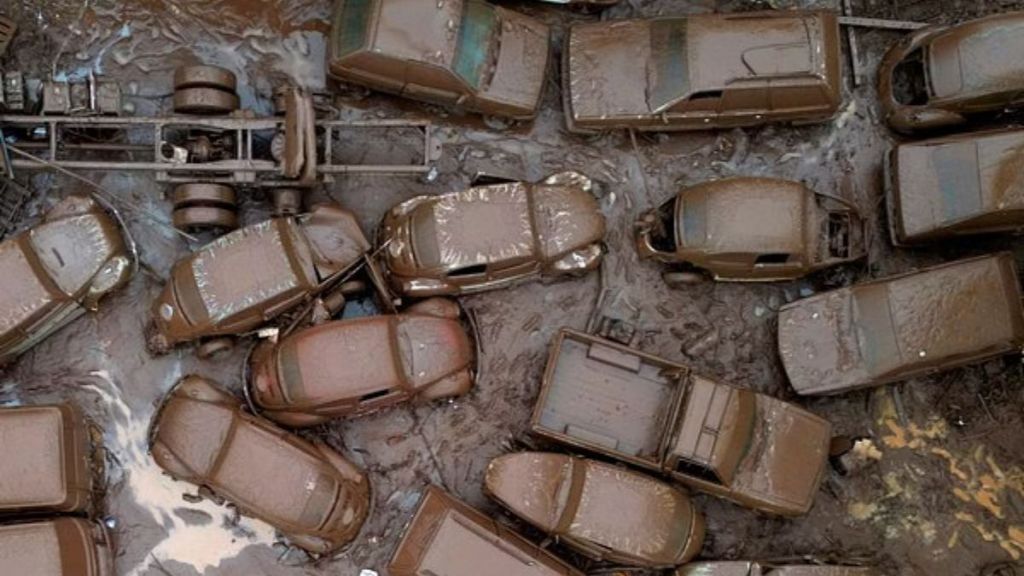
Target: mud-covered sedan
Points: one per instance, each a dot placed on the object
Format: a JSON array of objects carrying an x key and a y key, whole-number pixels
[
  {"x": 58, "y": 547},
  {"x": 750, "y": 229},
  {"x": 309, "y": 492},
  {"x": 601, "y": 510},
  {"x": 245, "y": 279},
  {"x": 941, "y": 76},
  {"x": 58, "y": 270},
  {"x": 467, "y": 54},
  {"x": 701, "y": 72},
  {"x": 492, "y": 236},
  {"x": 903, "y": 326},
  {"x": 355, "y": 366}
]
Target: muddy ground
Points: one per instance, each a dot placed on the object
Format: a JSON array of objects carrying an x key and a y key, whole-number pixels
[{"x": 942, "y": 494}]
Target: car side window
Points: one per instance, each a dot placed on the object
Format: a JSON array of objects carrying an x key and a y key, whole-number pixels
[
  {"x": 434, "y": 77},
  {"x": 468, "y": 271},
  {"x": 376, "y": 395},
  {"x": 706, "y": 101},
  {"x": 771, "y": 259},
  {"x": 694, "y": 470}
]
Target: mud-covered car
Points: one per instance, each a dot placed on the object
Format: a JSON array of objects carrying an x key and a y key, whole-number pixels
[
  {"x": 243, "y": 280},
  {"x": 467, "y": 54},
  {"x": 59, "y": 269},
  {"x": 58, "y": 547},
  {"x": 359, "y": 365},
  {"x": 46, "y": 460},
  {"x": 941, "y": 76},
  {"x": 601, "y": 510},
  {"x": 750, "y": 229},
  {"x": 743, "y": 568},
  {"x": 492, "y": 236},
  {"x": 956, "y": 186},
  {"x": 657, "y": 415},
  {"x": 309, "y": 492},
  {"x": 702, "y": 71},
  {"x": 447, "y": 537},
  {"x": 903, "y": 326}
]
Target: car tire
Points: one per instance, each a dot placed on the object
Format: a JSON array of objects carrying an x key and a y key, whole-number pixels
[
  {"x": 680, "y": 279},
  {"x": 205, "y": 77},
  {"x": 215, "y": 348},
  {"x": 199, "y": 218},
  {"x": 204, "y": 101}
]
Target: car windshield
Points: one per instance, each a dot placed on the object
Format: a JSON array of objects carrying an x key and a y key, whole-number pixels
[
  {"x": 668, "y": 77},
  {"x": 71, "y": 250},
  {"x": 476, "y": 38},
  {"x": 351, "y": 25},
  {"x": 663, "y": 234}
]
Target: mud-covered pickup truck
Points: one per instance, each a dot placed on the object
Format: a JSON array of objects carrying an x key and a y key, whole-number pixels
[{"x": 657, "y": 415}]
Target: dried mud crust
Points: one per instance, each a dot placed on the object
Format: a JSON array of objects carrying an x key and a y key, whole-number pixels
[{"x": 940, "y": 492}]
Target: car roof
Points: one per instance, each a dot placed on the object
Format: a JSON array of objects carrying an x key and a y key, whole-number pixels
[
  {"x": 948, "y": 180},
  {"x": 73, "y": 249},
  {"x": 250, "y": 266},
  {"x": 747, "y": 215},
  {"x": 24, "y": 294},
  {"x": 34, "y": 548},
  {"x": 849, "y": 337},
  {"x": 567, "y": 218},
  {"x": 715, "y": 427},
  {"x": 338, "y": 360},
  {"x": 32, "y": 457},
  {"x": 978, "y": 57},
  {"x": 481, "y": 225},
  {"x": 417, "y": 30}
]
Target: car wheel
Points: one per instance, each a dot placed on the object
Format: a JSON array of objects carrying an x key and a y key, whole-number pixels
[
  {"x": 205, "y": 77},
  {"x": 204, "y": 101},
  {"x": 215, "y": 348},
  {"x": 198, "y": 218},
  {"x": 679, "y": 279}
]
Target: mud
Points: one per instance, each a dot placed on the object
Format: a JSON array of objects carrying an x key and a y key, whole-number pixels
[{"x": 941, "y": 493}]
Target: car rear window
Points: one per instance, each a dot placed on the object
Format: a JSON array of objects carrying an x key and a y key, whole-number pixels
[
  {"x": 479, "y": 21},
  {"x": 669, "y": 76},
  {"x": 351, "y": 25}
]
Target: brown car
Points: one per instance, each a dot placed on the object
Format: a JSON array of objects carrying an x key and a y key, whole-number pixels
[
  {"x": 356, "y": 366},
  {"x": 903, "y": 326},
  {"x": 464, "y": 53},
  {"x": 951, "y": 187},
  {"x": 750, "y": 229},
  {"x": 609, "y": 399},
  {"x": 941, "y": 76},
  {"x": 742, "y": 568},
  {"x": 491, "y": 236},
  {"x": 61, "y": 268},
  {"x": 603, "y": 511},
  {"x": 309, "y": 492},
  {"x": 242, "y": 280},
  {"x": 46, "y": 460},
  {"x": 449, "y": 538},
  {"x": 58, "y": 547},
  {"x": 702, "y": 71}
]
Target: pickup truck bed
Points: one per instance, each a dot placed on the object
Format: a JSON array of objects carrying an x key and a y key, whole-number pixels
[{"x": 601, "y": 398}]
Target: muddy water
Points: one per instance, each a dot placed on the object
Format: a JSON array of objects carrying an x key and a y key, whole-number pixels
[{"x": 941, "y": 495}]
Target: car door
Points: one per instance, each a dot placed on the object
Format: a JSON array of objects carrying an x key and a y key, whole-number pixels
[
  {"x": 430, "y": 83},
  {"x": 743, "y": 105},
  {"x": 377, "y": 71},
  {"x": 697, "y": 109}
]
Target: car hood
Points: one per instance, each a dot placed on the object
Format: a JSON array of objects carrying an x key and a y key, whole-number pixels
[
  {"x": 23, "y": 294},
  {"x": 606, "y": 69},
  {"x": 787, "y": 456},
  {"x": 566, "y": 214},
  {"x": 522, "y": 61},
  {"x": 819, "y": 345}
]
